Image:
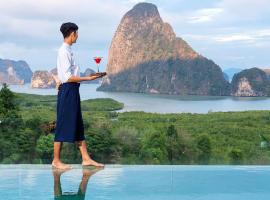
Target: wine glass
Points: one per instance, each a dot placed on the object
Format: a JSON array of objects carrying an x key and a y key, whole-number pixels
[{"x": 97, "y": 60}]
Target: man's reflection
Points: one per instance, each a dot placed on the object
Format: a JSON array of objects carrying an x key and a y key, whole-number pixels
[{"x": 58, "y": 194}]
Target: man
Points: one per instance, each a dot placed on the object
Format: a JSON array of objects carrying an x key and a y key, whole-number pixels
[{"x": 69, "y": 123}]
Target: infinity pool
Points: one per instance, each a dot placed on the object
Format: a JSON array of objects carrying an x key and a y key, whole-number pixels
[{"x": 140, "y": 182}]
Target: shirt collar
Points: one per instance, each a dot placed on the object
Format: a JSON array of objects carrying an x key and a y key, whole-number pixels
[{"x": 67, "y": 45}]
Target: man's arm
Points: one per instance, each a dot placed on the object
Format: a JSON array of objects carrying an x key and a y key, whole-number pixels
[
  {"x": 79, "y": 79},
  {"x": 84, "y": 78}
]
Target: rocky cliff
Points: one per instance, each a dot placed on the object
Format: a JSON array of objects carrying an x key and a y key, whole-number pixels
[
  {"x": 14, "y": 72},
  {"x": 43, "y": 79},
  {"x": 251, "y": 82},
  {"x": 146, "y": 56}
]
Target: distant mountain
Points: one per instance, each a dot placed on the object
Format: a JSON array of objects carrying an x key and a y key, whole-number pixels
[
  {"x": 14, "y": 72},
  {"x": 250, "y": 82},
  {"x": 146, "y": 56},
  {"x": 231, "y": 71},
  {"x": 87, "y": 72},
  {"x": 53, "y": 73},
  {"x": 43, "y": 79},
  {"x": 226, "y": 77},
  {"x": 267, "y": 71}
]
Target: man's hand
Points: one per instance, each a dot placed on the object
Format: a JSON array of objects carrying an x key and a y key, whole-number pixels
[
  {"x": 86, "y": 78},
  {"x": 57, "y": 85},
  {"x": 100, "y": 74},
  {"x": 97, "y": 75}
]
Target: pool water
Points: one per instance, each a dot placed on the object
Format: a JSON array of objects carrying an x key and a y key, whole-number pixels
[{"x": 140, "y": 182}]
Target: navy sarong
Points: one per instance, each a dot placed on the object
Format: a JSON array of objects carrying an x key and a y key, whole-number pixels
[{"x": 69, "y": 122}]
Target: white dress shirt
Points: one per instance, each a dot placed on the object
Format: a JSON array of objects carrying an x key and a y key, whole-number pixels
[{"x": 66, "y": 66}]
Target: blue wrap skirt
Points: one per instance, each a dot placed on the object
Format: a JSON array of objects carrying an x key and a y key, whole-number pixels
[{"x": 69, "y": 122}]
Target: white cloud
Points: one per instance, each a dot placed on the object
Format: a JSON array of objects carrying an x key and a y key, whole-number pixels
[
  {"x": 8, "y": 48},
  {"x": 32, "y": 55},
  {"x": 252, "y": 37},
  {"x": 51, "y": 9},
  {"x": 205, "y": 15},
  {"x": 32, "y": 27},
  {"x": 232, "y": 38},
  {"x": 42, "y": 19},
  {"x": 245, "y": 9},
  {"x": 133, "y": 1}
]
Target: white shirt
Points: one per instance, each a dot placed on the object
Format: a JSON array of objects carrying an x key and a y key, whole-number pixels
[{"x": 66, "y": 66}]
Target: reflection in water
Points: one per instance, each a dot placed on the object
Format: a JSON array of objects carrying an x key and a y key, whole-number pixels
[{"x": 80, "y": 195}]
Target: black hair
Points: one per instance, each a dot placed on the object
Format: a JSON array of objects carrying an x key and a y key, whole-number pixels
[{"x": 67, "y": 28}]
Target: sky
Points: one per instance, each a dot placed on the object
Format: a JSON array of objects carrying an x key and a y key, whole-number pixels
[{"x": 232, "y": 33}]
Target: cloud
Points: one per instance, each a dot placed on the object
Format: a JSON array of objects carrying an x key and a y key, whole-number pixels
[
  {"x": 42, "y": 19},
  {"x": 233, "y": 38},
  {"x": 50, "y": 9},
  {"x": 249, "y": 36},
  {"x": 231, "y": 11},
  {"x": 205, "y": 15},
  {"x": 245, "y": 9},
  {"x": 38, "y": 57},
  {"x": 133, "y": 1},
  {"x": 31, "y": 28}
]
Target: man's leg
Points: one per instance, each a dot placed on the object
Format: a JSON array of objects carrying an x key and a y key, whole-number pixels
[
  {"x": 86, "y": 160},
  {"x": 56, "y": 157},
  {"x": 87, "y": 173}
]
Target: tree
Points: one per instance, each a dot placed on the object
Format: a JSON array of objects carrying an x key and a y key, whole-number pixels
[
  {"x": 173, "y": 144},
  {"x": 236, "y": 156},
  {"x": 205, "y": 148},
  {"x": 45, "y": 147},
  {"x": 7, "y": 101},
  {"x": 128, "y": 138},
  {"x": 11, "y": 123},
  {"x": 26, "y": 143},
  {"x": 154, "y": 149},
  {"x": 102, "y": 145}
]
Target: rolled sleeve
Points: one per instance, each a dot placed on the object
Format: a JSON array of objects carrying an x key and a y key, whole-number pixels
[
  {"x": 67, "y": 75},
  {"x": 65, "y": 65}
]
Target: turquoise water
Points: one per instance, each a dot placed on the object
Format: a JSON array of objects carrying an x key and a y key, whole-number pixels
[
  {"x": 157, "y": 103},
  {"x": 140, "y": 182}
]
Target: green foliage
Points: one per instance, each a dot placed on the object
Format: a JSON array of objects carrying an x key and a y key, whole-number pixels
[
  {"x": 10, "y": 127},
  {"x": 236, "y": 156},
  {"x": 26, "y": 142},
  {"x": 174, "y": 145},
  {"x": 7, "y": 103},
  {"x": 12, "y": 159},
  {"x": 204, "y": 147},
  {"x": 70, "y": 153},
  {"x": 102, "y": 145},
  {"x": 133, "y": 137},
  {"x": 104, "y": 104},
  {"x": 45, "y": 147},
  {"x": 153, "y": 149},
  {"x": 129, "y": 141},
  {"x": 198, "y": 76}
]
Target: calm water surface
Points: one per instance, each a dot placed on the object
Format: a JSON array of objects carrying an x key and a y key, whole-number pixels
[
  {"x": 151, "y": 182},
  {"x": 156, "y": 103}
]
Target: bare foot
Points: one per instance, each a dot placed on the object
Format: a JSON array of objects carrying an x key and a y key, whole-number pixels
[
  {"x": 60, "y": 165},
  {"x": 90, "y": 172},
  {"x": 58, "y": 172},
  {"x": 91, "y": 162}
]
